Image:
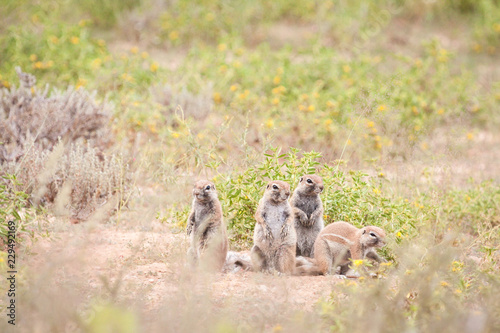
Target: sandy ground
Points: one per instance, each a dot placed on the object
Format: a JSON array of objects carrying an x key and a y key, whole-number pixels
[{"x": 149, "y": 267}]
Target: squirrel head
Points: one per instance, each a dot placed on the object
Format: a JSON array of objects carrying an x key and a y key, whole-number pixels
[
  {"x": 277, "y": 191},
  {"x": 310, "y": 185},
  {"x": 204, "y": 191},
  {"x": 372, "y": 236}
]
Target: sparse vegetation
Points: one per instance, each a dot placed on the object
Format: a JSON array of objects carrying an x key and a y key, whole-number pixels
[{"x": 395, "y": 104}]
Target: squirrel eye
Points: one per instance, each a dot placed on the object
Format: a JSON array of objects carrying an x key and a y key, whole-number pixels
[
  {"x": 309, "y": 180},
  {"x": 207, "y": 188},
  {"x": 373, "y": 234},
  {"x": 275, "y": 186}
]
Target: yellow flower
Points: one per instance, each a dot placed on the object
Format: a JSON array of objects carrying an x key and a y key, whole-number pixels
[
  {"x": 470, "y": 136},
  {"x": 82, "y": 23},
  {"x": 376, "y": 191},
  {"x": 302, "y": 107},
  {"x": 223, "y": 68},
  {"x": 304, "y": 96},
  {"x": 221, "y": 47},
  {"x": 443, "y": 55},
  {"x": 38, "y": 65},
  {"x": 311, "y": 108},
  {"x": 152, "y": 128},
  {"x": 276, "y": 101},
  {"x": 101, "y": 42},
  {"x": 276, "y": 80},
  {"x": 444, "y": 284},
  {"x": 154, "y": 67},
  {"x": 328, "y": 122},
  {"x": 75, "y": 40},
  {"x": 458, "y": 291},
  {"x": 331, "y": 104},
  {"x": 467, "y": 198},
  {"x": 144, "y": 55},
  {"x": 315, "y": 95},
  {"x": 440, "y": 111},
  {"x": 210, "y": 17},
  {"x": 174, "y": 35},
  {"x": 127, "y": 77},
  {"x": 357, "y": 263},
  {"x": 382, "y": 107},
  {"x": 6, "y": 84},
  {"x": 496, "y": 27},
  {"x": 175, "y": 135},
  {"x": 1, "y": 260},
  {"x": 269, "y": 123},
  {"x": 96, "y": 63},
  {"x": 346, "y": 68},
  {"x": 414, "y": 110},
  {"x": 233, "y": 87},
  {"x": 424, "y": 146},
  {"x": 217, "y": 98},
  {"x": 475, "y": 108},
  {"x": 49, "y": 64},
  {"x": 370, "y": 124},
  {"x": 81, "y": 83},
  {"x": 134, "y": 50},
  {"x": 399, "y": 234},
  {"x": 277, "y": 328},
  {"x": 33, "y": 57},
  {"x": 477, "y": 48}
]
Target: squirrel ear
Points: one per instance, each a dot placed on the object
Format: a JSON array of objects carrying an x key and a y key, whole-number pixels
[
  {"x": 214, "y": 187},
  {"x": 267, "y": 186},
  {"x": 364, "y": 231},
  {"x": 301, "y": 179}
]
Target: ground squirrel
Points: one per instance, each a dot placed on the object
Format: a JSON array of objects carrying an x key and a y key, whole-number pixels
[
  {"x": 274, "y": 235},
  {"x": 338, "y": 244},
  {"x": 308, "y": 213},
  {"x": 207, "y": 232}
]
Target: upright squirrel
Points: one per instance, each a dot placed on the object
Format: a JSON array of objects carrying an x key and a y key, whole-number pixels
[
  {"x": 274, "y": 237},
  {"x": 208, "y": 239}
]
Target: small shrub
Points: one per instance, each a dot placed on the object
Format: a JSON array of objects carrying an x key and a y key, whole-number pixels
[
  {"x": 12, "y": 202},
  {"x": 28, "y": 115},
  {"x": 54, "y": 145}
]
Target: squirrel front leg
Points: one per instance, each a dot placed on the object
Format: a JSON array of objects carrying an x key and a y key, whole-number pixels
[
  {"x": 261, "y": 219},
  {"x": 190, "y": 224},
  {"x": 374, "y": 256},
  {"x": 317, "y": 214},
  {"x": 300, "y": 215}
]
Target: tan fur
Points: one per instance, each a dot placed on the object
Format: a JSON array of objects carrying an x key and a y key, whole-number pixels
[
  {"x": 341, "y": 242},
  {"x": 308, "y": 213},
  {"x": 274, "y": 235},
  {"x": 205, "y": 226}
]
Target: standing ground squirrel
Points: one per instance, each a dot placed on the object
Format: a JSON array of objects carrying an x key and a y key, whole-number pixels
[
  {"x": 340, "y": 242},
  {"x": 308, "y": 213},
  {"x": 274, "y": 235},
  {"x": 208, "y": 239}
]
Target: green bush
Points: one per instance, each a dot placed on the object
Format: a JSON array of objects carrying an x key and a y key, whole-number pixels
[{"x": 348, "y": 196}]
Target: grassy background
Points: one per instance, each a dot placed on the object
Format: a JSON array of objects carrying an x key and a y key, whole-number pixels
[{"x": 395, "y": 104}]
